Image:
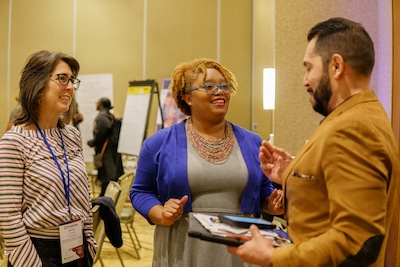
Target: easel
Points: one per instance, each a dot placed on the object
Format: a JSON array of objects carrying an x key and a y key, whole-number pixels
[{"x": 154, "y": 90}]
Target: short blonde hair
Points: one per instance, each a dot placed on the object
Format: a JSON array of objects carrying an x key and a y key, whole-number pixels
[{"x": 185, "y": 73}]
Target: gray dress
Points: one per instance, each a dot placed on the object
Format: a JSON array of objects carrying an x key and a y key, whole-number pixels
[{"x": 214, "y": 189}]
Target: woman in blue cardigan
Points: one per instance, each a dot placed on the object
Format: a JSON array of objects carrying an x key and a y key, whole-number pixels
[{"x": 203, "y": 164}]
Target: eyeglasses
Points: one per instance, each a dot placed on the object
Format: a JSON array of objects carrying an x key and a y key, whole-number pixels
[
  {"x": 64, "y": 80},
  {"x": 212, "y": 88}
]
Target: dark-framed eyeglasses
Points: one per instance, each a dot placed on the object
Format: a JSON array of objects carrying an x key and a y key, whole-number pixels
[
  {"x": 64, "y": 80},
  {"x": 212, "y": 88}
]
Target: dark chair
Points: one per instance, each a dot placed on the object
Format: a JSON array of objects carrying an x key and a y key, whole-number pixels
[{"x": 113, "y": 192}]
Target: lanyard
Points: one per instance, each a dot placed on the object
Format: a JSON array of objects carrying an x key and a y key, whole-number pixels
[{"x": 66, "y": 186}]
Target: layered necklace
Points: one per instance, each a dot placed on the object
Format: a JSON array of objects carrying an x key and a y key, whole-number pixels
[{"x": 213, "y": 151}]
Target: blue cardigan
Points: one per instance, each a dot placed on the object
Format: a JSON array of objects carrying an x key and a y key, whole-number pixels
[{"x": 162, "y": 170}]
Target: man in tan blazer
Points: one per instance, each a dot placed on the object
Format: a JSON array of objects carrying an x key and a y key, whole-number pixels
[{"x": 340, "y": 190}]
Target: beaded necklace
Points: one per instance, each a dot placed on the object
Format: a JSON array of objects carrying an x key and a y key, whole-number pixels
[{"x": 213, "y": 151}]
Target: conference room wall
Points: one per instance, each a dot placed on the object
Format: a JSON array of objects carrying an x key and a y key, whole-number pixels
[
  {"x": 132, "y": 39},
  {"x": 141, "y": 39},
  {"x": 294, "y": 119}
]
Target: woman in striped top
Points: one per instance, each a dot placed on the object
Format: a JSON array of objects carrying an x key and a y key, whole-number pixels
[{"x": 44, "y": 189}]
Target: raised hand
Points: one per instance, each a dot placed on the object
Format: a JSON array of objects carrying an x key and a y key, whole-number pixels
[{"x": 273, "y": 161}]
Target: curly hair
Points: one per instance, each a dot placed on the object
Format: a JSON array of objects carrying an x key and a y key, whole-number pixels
[
  {"x": 186, "y": 73},
  {"x": 34, "y": 78}
]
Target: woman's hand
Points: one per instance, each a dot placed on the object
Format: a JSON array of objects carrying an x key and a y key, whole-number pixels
[
  {"x": 273, "y": 161},
  {"x": 168, "y": 213},
  {"x": 273, "y": 203}
]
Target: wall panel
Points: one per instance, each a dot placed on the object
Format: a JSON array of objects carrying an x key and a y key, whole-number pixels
[
  {"x": 236, "y": 33},
  {"x": 4, "y": 92},
  {"x": 294, "y": 118},
  {"x": 110, "y": 38}
]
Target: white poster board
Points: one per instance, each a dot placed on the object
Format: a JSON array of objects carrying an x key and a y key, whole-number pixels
[
  {"x": 91, "y": 89},
  {"x": 135, "y": 118}
]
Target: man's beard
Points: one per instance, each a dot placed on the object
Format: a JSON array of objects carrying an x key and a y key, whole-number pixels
[{"x": 322, "y": 94}]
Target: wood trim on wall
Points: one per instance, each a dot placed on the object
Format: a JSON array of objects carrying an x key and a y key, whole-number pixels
[{"x": 393, "y": 250}]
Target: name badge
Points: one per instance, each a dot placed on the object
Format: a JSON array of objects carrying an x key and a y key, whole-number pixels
[{"x": 71, "y": 241}]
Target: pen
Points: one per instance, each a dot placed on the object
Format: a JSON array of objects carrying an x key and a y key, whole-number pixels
[{"x": 215, "y": 220}]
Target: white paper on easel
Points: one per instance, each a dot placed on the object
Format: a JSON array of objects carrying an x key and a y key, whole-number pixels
[
  {"x": 91, "y": 89},
  {"x": 134, "y": 120}
]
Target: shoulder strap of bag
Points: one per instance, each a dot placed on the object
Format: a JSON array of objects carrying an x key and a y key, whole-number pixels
[
  {"x": 104, "y": 146},
  {"x": 106, "y": 142}
]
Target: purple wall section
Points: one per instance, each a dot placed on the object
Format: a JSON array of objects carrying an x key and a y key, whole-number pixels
[{"x": 376, "y": 16}]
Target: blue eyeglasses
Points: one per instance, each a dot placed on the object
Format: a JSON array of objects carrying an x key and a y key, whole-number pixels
[{"x": 212, "y": 88}]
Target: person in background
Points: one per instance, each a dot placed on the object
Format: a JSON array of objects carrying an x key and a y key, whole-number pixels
[
  {"x": 13, "y": 115},
  {"x": 101, "y": 132},
  {"x": 203, "y": 164},
  {"x": 77, "y": 118},
  {"x": 340, "y": 190},
  {"x": 43, "y": 183}
]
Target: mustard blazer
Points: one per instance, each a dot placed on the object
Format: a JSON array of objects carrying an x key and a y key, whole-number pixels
[{"x": 340, "y": 189}]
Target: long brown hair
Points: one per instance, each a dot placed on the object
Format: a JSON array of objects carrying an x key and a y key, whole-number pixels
[{"x": 34, "y": 78}]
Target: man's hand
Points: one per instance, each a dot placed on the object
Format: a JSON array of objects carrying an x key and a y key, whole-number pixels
[
  {"x": 256, "y": 251},
  {"x": 273, "y": 161}
]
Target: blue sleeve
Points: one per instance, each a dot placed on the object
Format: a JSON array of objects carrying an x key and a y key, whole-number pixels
[
  {"x": 144, "y": 193},
  {"x": 161, "y": 172}
]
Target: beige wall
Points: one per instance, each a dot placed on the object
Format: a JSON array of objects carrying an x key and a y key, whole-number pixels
[
  {"x": 110, "y": 38},
  {"x": 263, "y": 57},
  {"x": 118, "y": 37},
  {"x": 4, "y": 97},
  {"x": 294, "y": 118}
]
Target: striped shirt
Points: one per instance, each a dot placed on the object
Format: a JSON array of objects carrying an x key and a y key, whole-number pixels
[{"x": 33, "y": 200}]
